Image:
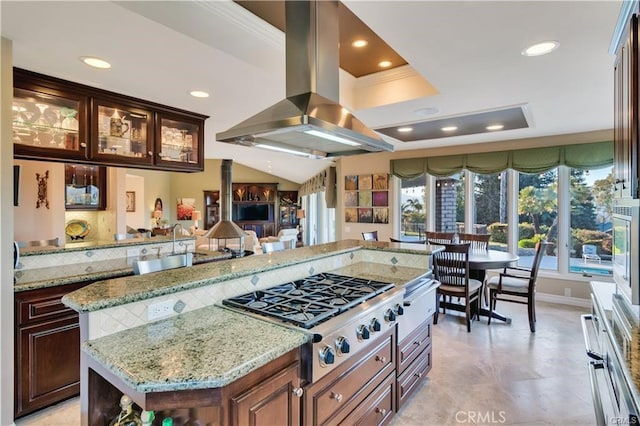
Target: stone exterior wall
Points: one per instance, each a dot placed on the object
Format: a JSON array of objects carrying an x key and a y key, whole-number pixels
[{"x": 446, "y": 204}]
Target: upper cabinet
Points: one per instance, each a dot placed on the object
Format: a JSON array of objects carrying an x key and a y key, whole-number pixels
[
  {"x": 58, "y": 120},
  {"x": 179, "y": 141},
  {"x": 124, "y": 133},
  {"x": 48, "y": 120},
  {"x": 626, "y": 103}
]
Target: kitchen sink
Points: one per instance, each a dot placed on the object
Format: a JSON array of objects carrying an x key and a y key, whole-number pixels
[{"x": 162, "y": 263}]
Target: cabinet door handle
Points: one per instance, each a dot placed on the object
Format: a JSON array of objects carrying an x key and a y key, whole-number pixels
[
  {"x": 336, "y": 396},
  {"x": 381, "y": 359},
  {"x": 418, "y": 375},
  {"x": 381, "y": 411},
  {"x": 83, "y": 144},
  {"x": 417, "y": 343},
  {"x": 297, "y": 392}
]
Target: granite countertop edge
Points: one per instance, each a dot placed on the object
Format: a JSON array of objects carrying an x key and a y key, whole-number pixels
[{"x": 279, "y": 340}]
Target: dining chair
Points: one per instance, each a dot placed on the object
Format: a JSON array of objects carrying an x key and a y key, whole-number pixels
[
  {"x": 519, "y": 285},
  {"x": 451, "y": 269},
  {"x": 278, "y": 246},
  {"x": 477, "y": 241},
  {"x": 439, "y": 237},
  {"x": 394, "y": 240},
  {"x": 370, "y": 236}
]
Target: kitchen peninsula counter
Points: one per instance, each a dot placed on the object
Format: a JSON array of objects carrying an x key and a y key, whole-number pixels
[{"x": 118, "y": 291}]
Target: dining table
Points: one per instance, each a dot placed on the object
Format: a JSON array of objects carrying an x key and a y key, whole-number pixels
[{"x": 479, "y": 262}]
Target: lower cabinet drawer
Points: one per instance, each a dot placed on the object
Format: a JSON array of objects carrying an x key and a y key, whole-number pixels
[
  {"x": 414, "y": 344},
  {"x": 414, "y": 374},
  {"x": 377, "y": 408}
]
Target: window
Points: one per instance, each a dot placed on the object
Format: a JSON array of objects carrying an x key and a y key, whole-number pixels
[
  {"x": 450, "y": 203},
  {"x": 538, "y": 216},
  {"x": 413, "y": 203},
  {"x": 591, "y": 208},
  {"x": 490, "y": 211}
]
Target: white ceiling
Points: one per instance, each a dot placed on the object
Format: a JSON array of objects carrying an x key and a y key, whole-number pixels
[{"x": 470, "y": 52}]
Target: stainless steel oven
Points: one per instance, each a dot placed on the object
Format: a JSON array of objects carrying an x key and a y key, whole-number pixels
[
  {"x": 611, "y": 386},
  {"x": 626, "y": 250}
]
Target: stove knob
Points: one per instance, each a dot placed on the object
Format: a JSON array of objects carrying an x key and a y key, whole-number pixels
[
  {"x": 399, "y": 309},
  {"x": 363, "y": 332},
  {"x": 389, "y": 316},
  {"x": 342, "y": 345},
  {"x": 327, "y": 356},
  {"x": 375, "y": 325}
]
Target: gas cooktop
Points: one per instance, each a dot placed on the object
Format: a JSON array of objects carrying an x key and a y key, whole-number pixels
[{"x": 312, "y": 300}]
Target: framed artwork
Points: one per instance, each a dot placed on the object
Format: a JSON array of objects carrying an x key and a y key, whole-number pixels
[
  {"x": 380, "y": 181},
  {"x": 351, "y": 215},
  {"x": 185, "y": 209},
  {"x": 381, "y": 215},
  {"x": 364, "y": 182},
  {"x": 131, "y": 201},
  {"x": 350, "y": 183},
  {"x": 365, "y": 215},
  {"x": 364, "y": 198},
  {"x": 380, "y": 198},
  {"x": 351, "y": 199}
]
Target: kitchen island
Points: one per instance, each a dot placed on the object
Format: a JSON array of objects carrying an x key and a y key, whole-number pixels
[{"x": 210, "y": 357}]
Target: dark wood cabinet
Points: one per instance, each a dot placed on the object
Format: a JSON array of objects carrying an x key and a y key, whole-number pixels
[
  {"x": 254, "y": 207},
  {"x": 47, "y": 349},
  {"x": 626, "y": 103},
  {"x": 49, "y": 119},
  {"x": 211, "y": 208},
  {"x": 59, "y": 120},
  {"x": 85, "y": 187},
  {"x": 274, "y": 401}
]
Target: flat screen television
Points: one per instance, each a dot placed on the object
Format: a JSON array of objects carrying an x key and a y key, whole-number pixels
[{"x": 253, "y": 212}]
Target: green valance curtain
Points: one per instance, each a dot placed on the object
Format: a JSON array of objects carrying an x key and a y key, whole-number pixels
[
  {"x": 323, "y": 181},
  {"x": 532, "y": 160}
]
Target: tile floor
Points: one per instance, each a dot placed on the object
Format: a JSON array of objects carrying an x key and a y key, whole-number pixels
[{"x": 499, "y": 374}]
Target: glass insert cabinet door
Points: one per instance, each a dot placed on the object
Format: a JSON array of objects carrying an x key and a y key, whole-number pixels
[
  {"x": 50, "y": 122},
  {"x": 178, "y": 140},
  {"x": 124, "y": 133},
  {"x": 85, "y": 187}
]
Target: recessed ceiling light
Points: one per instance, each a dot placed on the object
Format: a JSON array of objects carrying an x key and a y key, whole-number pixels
[
  {"x": 495, "y": 127},
  {"x": 541, "y": 48},
  {"x": 199, "y": 94},
  {"x": 405, "y": 129},
  {"x": 95, "y": 62},
  {"x": 426, "y": 111},
  {"x": 359, "y": 43},
  {"x": 384, "y": 64},
  {"x": 449, "y": 128}
]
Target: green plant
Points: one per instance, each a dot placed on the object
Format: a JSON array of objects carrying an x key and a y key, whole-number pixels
[{"x": 498, "y": 232}]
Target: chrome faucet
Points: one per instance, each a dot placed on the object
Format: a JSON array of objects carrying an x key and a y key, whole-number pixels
[{"x": 174, "y": 236}]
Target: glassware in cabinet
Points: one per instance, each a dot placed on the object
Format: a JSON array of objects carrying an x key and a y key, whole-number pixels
[
  {"x": 45, "y": 120},
  {"x": 123, "y": 133},
  {"x": 85, "y": 187},
  {"x": 179, "y": 141}
]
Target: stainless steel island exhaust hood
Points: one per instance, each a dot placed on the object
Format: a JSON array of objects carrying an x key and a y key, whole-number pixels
[{"x": 309, "y": 121}]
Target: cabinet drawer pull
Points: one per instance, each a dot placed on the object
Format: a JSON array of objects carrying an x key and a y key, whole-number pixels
[
  {"x": 336, "y": 396},
  {"x": 417, "y": 343},
  {"x": 418, "y": 375},
  {"x": 381, "y": 359},
  {"x": 83, "y": 144},
  {"x": 297, "y": 392},
  {"x": 381, "y": 411}
]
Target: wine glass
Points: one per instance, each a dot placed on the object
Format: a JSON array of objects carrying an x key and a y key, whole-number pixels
[{"x": 69, "y": 122}]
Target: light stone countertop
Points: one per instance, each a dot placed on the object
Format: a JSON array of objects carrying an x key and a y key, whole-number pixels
[
  {"x": 118, "y": 291},
  {"x": 32, "y": 279},
  {"x": 206, "y": 348},
  {"x": 399, "y": 275}
]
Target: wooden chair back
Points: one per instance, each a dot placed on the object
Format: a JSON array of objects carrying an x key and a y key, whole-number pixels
[
  {"x": 439, "y": 237},
  {"x": 451, "y": 266},
  {"x": 477, "y": 241},
  {"x": 54, "y": 242},
  {"x": 541, "y": 247},
  {"x": 370, "y": 236}
]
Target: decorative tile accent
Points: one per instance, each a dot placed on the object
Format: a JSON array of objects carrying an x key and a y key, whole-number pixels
[
  {"x": 88, "y": 253},
  {"x": 394, "y": 260},
  {"x": 179, "y": 306},
  {"x": 255, "y": 279},
  {"x": 311, "y": 271},
  {"x": 351, "y": 255}
]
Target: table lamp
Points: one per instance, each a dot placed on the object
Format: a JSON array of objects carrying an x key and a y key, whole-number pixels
[
  {"x": 196, "y": 216},
  {"x": 157, "y": 215}
]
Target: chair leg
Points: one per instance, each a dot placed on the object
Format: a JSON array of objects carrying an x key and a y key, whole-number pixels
[
  {"x": 492, "y": 304},
  {"x": 468, "y": 311},
  {"x": 435, "y": 317},
  {"x": 532, "y": 322}
]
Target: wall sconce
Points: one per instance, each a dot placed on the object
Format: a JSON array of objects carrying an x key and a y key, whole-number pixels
[{"x": 196, "y": 215}]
